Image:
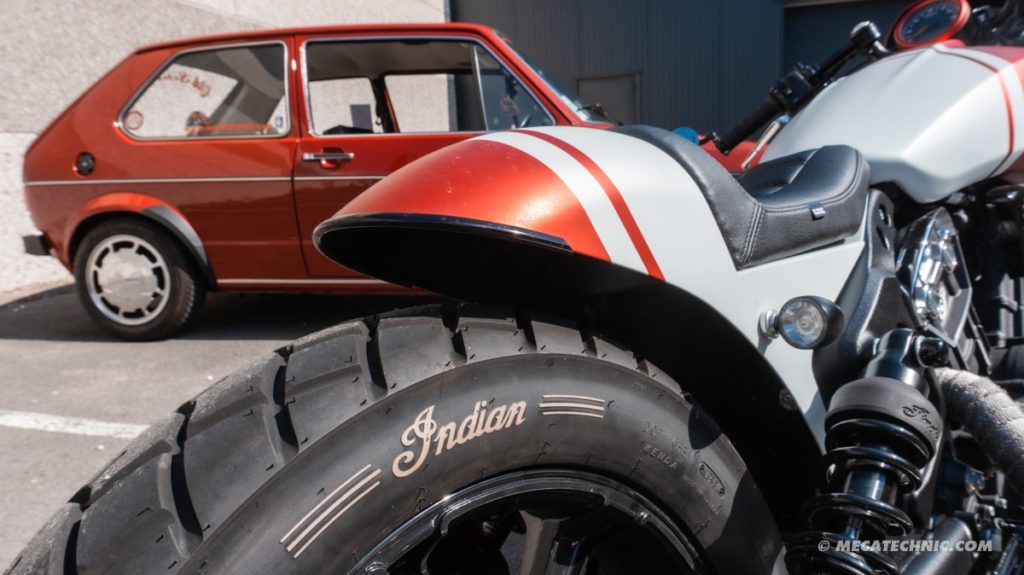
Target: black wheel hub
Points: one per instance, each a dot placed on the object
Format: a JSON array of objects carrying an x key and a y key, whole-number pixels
[{"x": 537, "y": 522}]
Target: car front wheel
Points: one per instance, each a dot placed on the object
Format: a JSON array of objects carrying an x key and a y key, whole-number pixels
[{"x": 136, "y": 282}]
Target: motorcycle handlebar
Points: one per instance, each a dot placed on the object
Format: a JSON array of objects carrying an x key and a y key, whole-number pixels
[
  {"x": 797, "y": 87},
  {"x": 765, "y": 113}
]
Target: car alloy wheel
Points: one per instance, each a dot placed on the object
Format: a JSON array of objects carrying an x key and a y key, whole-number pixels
[{"x": 128, "y": 279}]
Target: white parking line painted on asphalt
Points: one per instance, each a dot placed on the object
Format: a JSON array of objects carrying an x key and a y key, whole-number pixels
[{"x": 74, "y": 425}]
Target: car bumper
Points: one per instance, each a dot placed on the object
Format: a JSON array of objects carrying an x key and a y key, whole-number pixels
[{"x": 36, "y": 245}]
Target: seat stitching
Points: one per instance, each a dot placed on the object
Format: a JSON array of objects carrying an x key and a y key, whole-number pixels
[
  {"x": 751, "y": 235},
  {"x": 758, "y": 226},
  {"x": 742, "y": 251}
]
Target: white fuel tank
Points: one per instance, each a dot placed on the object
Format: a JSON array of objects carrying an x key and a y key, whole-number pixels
[{"x": 932, "y": 120}]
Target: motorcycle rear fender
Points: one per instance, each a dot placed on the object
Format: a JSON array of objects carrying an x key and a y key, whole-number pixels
[{"x": 609, "y": 230}]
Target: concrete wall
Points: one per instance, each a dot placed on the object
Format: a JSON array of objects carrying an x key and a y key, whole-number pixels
[{"x": 53, "y": 50}]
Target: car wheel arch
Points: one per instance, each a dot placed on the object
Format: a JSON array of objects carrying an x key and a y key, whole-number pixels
[{"x": 158, "y": 215}]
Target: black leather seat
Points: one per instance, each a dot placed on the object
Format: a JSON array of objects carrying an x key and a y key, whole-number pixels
[{"x": 779, "y": 208}]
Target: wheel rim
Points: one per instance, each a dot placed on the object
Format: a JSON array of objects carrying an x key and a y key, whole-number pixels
[
  {"x": 127, "y": 279},
  {"x": 537, "y": 522}
]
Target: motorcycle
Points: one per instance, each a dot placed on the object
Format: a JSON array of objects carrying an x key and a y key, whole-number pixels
[{"x": 654, "y": 366}]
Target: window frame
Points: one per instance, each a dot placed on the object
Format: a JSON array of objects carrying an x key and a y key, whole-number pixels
[
  {"x": 398, "y": 38},
  {"x": 211, "y": 48}
]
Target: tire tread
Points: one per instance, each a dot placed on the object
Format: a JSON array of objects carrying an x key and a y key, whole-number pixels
[{"x": 187, "y": 473}]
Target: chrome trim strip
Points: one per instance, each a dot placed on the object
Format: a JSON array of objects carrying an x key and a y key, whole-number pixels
[
  {"x": 363, "y": 177},
  {"x": 119, "y": 122},
  {"x": 400, "y": 38},
  {"x": 261, "y": 281},
  {"x": 86, "y": 182}
]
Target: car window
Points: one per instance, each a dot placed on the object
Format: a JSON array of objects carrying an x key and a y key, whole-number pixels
[
  {"x": 228, "y": 92},
  {"x": 424, "y": 102},
  {"x": 586, "y": 112},
  {"x": 342, "y": 106},
  {"x": 507, "y": 104},
  {"x": 415, "y": 86}
]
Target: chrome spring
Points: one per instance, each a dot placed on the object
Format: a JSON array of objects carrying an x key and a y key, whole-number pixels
[{"x": 868, "y": 463}]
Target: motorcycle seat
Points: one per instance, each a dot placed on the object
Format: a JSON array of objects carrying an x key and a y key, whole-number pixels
[{"x": 780, "y": 208}]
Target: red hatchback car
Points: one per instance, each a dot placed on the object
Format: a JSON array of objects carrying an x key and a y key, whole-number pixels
[{"x": 205, "y": 164}]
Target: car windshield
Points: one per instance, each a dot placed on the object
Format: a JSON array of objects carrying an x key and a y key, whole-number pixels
[{"x": 586, "y": 112}]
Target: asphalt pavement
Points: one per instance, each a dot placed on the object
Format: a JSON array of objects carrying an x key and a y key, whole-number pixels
[{"x": 71, "y": 396}]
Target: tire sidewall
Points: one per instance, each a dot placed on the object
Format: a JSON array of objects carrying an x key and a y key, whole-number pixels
[
  {"x": 649, "y": 438},
  {"x": 186, "y": 292}
]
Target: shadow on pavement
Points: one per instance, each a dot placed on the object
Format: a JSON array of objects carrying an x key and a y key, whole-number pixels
[{"x": 56, "y": 315}]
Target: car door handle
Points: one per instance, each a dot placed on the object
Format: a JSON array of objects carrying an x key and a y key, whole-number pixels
[
  {"x": 329, "y": 158},
  {"x": 334, "y": 156}
]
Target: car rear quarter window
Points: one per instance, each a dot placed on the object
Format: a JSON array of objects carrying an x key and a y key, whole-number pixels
[{"x": 230, "y": 92}]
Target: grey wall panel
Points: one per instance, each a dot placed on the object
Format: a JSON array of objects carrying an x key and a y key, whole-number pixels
[
  {"x": 683, "y": 64},
  {"x": 552, "y": 29},
  {"x": 613, "y": 37},
  {"x": 749, "y": 36},
  {"x": 696, "y": 62}
]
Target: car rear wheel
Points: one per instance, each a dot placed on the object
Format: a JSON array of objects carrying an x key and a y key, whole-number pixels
[
  {"x": 424, "y": 442},
  {"x": 135, "y": 281}
]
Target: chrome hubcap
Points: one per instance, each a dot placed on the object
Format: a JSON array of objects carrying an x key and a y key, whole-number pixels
[{"x": 128, "y": 279}]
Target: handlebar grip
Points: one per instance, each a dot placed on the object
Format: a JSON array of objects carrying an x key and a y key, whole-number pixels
[{"x": 765, "y": 113}]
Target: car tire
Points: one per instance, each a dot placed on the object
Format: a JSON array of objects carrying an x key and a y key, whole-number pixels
[
  {"x": 135, "y": 280},
  {"x": 309, "y": 460}
]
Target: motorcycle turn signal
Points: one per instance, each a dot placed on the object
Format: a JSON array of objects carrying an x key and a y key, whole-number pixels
[{"x": 805, "y": 322}]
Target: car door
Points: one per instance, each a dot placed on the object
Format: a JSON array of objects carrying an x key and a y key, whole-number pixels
[{"x": 371, "y": 104}]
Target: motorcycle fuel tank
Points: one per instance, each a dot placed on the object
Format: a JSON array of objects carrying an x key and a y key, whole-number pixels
[{"x": 932, "y": 120}]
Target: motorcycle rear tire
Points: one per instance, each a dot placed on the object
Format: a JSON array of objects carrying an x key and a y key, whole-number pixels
[{"x": 309, "y": 459}]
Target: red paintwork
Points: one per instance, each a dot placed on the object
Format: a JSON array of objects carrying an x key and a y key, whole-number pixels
[
  {"x": 461, "y": 181},
  {"x": 961, "y": 20},
  {"x": 253, "y": 230}
]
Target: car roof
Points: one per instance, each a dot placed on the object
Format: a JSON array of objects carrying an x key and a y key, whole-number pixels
[{"x": 248, "y": 35}]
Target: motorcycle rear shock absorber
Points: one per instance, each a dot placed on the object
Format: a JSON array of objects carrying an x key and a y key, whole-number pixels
[{"x": 881, "y": 433}]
